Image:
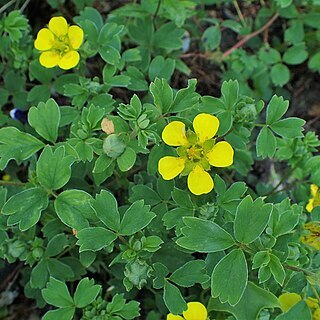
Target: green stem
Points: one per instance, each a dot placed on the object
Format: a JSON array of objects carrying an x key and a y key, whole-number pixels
[
  {"x": 315, "y": 292},
  {"x": 240, "y": 15},
  {"x": 156, "y": 14},
  {"x": 284, "y": 177},
  {"x": 11, "y": 183},
  {"x": 298, "y": 269},
  {"x": 7, "y": 5}
]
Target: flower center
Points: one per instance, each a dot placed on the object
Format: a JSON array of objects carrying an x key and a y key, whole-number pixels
[
  {"x": 62, "y": 44},
  {"x": 194, "y": 153}
]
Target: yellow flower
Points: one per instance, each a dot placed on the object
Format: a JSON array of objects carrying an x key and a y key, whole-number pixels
[
  {"x": 288, "y": 300},
  {"x": 312, "y": 236},
  {"x": 59, "y": 44},
  {"x": 197, "y": 151},
  {"x": 6, "y": 177},
  {"x": 195, "y": 311},
  {"x": 314, "y": 201}
]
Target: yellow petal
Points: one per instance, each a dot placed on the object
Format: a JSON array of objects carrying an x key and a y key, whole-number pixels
[
  {"x": 205, "y": 126},
  {"x": 59, "y": 26},
  {"x": 75, "y": 34},
  {"x": 69, "y": 60},
  {"x": 310, "y": 205},
  {"x": 195, "y": 311},
  {"x": 170, "y": 316},
  {"x": 312, "y": 303},
  {"x": 288, "y": 300},
  {"x": 199, "y": 181},
  {"x": 314, "y": 189},
  {"x": 44, "y": 40},
  {"x": 316, "y": 314},
  {"x": 49, "y": 59},
  {"x": 170, "y": 167},
  {"x": 174, "y": 134},
  {"x": 221, "y": 155}
]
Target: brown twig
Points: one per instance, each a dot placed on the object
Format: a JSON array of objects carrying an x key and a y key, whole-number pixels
[{"x": 250, "y": 36}]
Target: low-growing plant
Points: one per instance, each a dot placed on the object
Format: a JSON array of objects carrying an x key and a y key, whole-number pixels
[{"x": 125, "y": 194}]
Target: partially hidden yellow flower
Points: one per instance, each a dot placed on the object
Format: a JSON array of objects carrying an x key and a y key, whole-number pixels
[
  {"x": 6, "y": 177},
  {"x": 288, "y": 300},
  {"x": 312, "y": 234},
  {"x": 195, "y": 311},
  {"x": 59, "y": 44},
  {"x": 314, "y": 201},
  {"x": 197, "y": 151}
]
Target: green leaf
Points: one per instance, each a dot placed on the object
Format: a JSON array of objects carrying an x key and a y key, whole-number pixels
[
  {"x": 277, "y": 107},
  {"x": 39, "y": 275},
  {"x": 289, "y": 127},
  {"x": 251, "y": 303},
  {"x": 109, "y": 54},
  {"x": 296, "y": 54},
  {"x": 269, "y": 55},
  {"x": 73, "y": 209},
  {"x": 266, "y": 143},
  {"x": 284, "y": 221},
  {"x": 298, "y": 311},
  {"x": 186, "y": 98},
  {"x": 142, "y": 192},
  {"x": 94, "y": 238},
  {"x": 314, "y": 62},
  {"x": 45, "y": 119},
  {"x": 59, "y": 270},
  {"x": 57, "y": 294},
  {"x": 190, "y": 273},
  {"x": 39, "y": 93},
  {"x": 17, "y": 145},
  {"x": 173, "y": 299},
  {"x": 136, "y": 217},
  {"x": 138, "y": 82},
  {"x": 251, "y": 219},
  {"x": 277, "y": 269},
  {"x": 54, "y": 168},
  {"x": 25, "y": 207},
  {"x": 182, "y": 198},
  {"x": 56, "y": 245},
  {"x": 127, "y": 159},
  {"x": 212, "y": 37},
  {"x": 161, "y": 68},
  {"x": 229, "y": 277},
  {"x": 162, "y": 94},
  {"x": 204, "y": 236},
  {"x": 280, "y": 74},
  {"x": 125, "y": 310},
  {"x": 160, "y": 271},
  {"x": 42, "y": 74},
  {"x": 230, "y": 93},
  {"x": 63, "y": 313},
  {"x": 86, "y": 292},
  {"x": 162, "y": 39},
  {"x": 295, "y": 33},
  {"x": 106, "y": 208}
]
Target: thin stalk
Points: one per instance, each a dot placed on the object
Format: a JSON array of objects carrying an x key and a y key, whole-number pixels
[{"x": 7, "y": 5}]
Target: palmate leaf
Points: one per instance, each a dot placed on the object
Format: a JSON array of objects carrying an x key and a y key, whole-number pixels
[
  {"x": 204, "y": 236},
  {"x": 45, "y": 119},
  {"x": 54, "y": 168},
  {"x": 16, "y": 145},
  {"x": 229, "y": 277},
  {"x": 25, "y": 207}
]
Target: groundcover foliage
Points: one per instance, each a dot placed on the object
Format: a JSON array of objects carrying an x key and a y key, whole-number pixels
[{"x": 125, "y": 193}]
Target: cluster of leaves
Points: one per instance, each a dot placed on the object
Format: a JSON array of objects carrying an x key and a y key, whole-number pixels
[{"x": 85, "y": 199}]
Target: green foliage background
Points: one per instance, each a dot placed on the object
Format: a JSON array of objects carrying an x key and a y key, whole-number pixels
[{"x": 95, "y": 231}]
